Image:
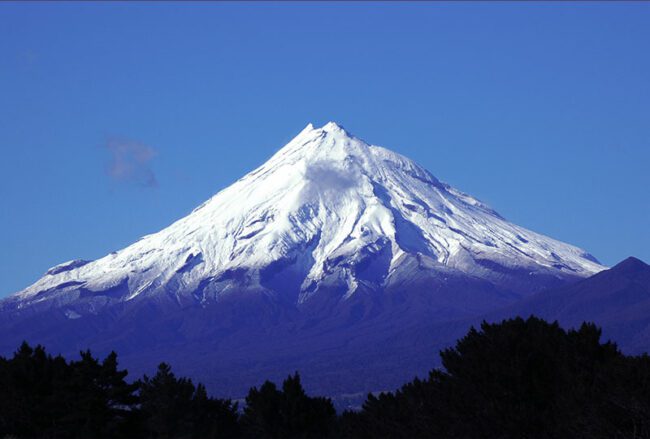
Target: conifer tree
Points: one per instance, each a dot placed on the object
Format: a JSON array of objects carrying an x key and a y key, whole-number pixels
[
  {"x": 44, "y": 396},
  {"x": 287, "y": 413},
  {"x": 174, "y": 408}
]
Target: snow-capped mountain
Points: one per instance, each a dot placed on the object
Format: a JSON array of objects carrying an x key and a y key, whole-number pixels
[
  {"x": 328, "y": 249},
  {"x": 328, "y": 209}
]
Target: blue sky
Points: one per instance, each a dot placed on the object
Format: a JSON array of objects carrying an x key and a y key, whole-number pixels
[{"x": 118, "y": 118}]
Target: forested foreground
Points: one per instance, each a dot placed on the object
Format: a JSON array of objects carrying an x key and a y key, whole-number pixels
[{"x": 516, "y": 379}]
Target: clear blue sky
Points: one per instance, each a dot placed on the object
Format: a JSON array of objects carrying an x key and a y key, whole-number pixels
[{"x": 118, "y": 118}]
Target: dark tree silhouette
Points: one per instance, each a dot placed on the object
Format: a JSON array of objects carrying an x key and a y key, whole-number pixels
[
  {"x": 287, "y": 413},
  {"x": 514, "y": 379},
  {"x": 173, "y": 407},
  {"x": 519, "y": 378},
  {"x": 44, "y": 396}
]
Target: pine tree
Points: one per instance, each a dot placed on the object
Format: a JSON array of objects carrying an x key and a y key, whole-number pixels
[
  {"x": 174, "y": 408},
  {"x": 289, "y": 413},
  {"x": 44, "y": 396},
  {"x": 518, "y": 378}
]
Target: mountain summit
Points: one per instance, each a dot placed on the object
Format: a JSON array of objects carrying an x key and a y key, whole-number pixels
[
  {"x": 330, "y": 236},
  {"x": 327, "y": 209}
]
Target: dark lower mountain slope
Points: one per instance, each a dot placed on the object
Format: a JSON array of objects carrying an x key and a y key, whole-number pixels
[
  {"x": 338, "y": 346},
  {"x": 375, "y": 341},
  {"x": 328, "y": 259},
  {"x": 617, "y": 299}
]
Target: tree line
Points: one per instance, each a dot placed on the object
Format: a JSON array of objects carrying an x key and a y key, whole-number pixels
[{"x": 514, "y": 379}]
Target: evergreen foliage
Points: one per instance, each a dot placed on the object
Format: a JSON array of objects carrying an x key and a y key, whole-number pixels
[
  {"x": 45, "y": 396},
  {"x": 515, "y": 379},
  {"x": 287, "y": 413},
  {"x": 518, "y": 379},
  {"x": 173, "y": 407}
]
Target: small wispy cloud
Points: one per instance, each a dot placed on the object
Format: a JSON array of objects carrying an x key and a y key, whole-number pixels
[{"x": 131, "y": 162}]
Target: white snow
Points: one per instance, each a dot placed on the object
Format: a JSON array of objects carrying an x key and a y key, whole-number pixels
[{"x": 323, "y": 196}]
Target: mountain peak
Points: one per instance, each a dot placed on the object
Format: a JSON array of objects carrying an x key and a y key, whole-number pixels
[
  {"x": 307, "y": 129},
  {"x": 329, "y": 143},
  {"x": 330, "y": 210},
  {"x": 332, "y": 243},
  {"x": 333, "y": 126},
  {"x": 329, "y": 127},
  {"x": 630, "y": 265}
]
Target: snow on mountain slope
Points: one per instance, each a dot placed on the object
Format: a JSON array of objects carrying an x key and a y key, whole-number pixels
[{"x": 326, "y": 210}]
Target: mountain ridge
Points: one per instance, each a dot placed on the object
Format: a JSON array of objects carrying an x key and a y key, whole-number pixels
[
  {"x": 325, "y": 181},
  {"x": 618, "y": 299},
  {"x": 316, "y": 260}
]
